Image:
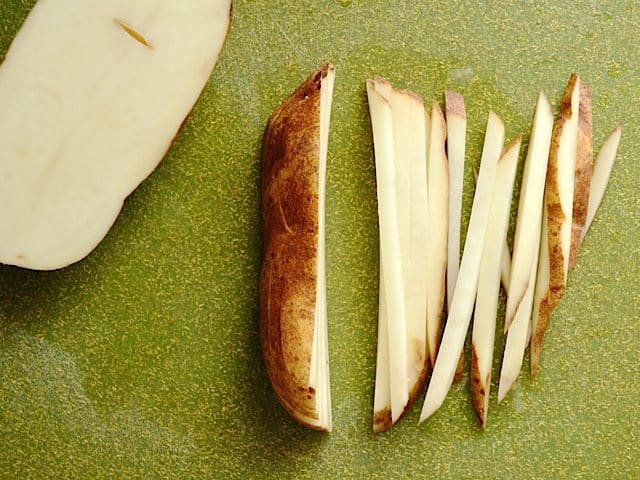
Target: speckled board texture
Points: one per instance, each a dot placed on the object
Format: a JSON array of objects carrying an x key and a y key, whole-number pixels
[{"x": 143, "y": 360}]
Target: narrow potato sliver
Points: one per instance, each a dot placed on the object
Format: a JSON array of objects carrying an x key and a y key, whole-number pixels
[
  {"x": 530, "y": 206},
  {"x": 601, "y": 173},
  {"x": 438, "y": 194}
]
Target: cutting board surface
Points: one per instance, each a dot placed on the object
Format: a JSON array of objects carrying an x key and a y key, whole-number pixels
[{"x": 143, "y": 360}]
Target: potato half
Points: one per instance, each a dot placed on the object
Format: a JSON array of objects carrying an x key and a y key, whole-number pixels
[
  {"x": 93, "y": 94},
  {"x": 293, "y": 307}
]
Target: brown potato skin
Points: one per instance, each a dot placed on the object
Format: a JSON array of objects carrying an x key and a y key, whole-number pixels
[
  {"x": 478, "y": 388},
  {"x": 584, "y": 170},
  {"x": 290, "y": 163}
]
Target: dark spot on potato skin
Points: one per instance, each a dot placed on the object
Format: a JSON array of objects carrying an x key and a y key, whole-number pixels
[
  {"x": 478, "y": 388},
  {"x": 290, "y": 163}
]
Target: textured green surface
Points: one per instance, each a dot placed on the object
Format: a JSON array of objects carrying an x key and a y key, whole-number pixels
[{"x": 143, "y": 360}]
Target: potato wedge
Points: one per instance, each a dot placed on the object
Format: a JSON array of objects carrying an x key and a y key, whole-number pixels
[{"x": 293, "y": 317}]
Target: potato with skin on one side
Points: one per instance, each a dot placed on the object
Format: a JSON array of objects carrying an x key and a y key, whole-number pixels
[{"x": 293, "y": 322}]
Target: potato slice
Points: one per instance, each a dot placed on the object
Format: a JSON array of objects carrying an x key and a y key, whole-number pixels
[
  {"x": 559, "y": 190},
  {"x": 456, "y": 117},
  {"x": 486, "y": 310},
  {"x": 601, "y": 174},
  {"x": 409, "y": 132},
  {"x": 541, "y": 300},
  {"x": 518, "y": 334},
  {"x": 505, "y": 268},
  {"x": 92, "y": 95},
  {"x": 530, "y": 206},
  {"x": 505, "y": 261},
  {"x": 438, "y": 193},
  {"x": 583, "y": 172},
  {"x": 390, "y": 250},
  {"x": 467, "y": 284},
  {"x": 293, "y": 315}
]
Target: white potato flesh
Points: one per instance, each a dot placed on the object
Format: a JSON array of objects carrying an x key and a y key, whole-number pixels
[
  {"x": 466, "y": 287},
  {"x": 390, "y": 251},
  {"x": 601, "y": 173},
  {"x": 542, "y": 279},
  {"x": 382, "y": 388},
  {"x": 93, "y": 93},
  {"x": 456, "y": 142},
  {"x": 486, "y": 310},
  {"x": 438, "y": 194},
  {"x": 517, "y": 338},
  {"x": 505, "y": 262},
  {"x": 530, "y": 205},
  {"x": 409, "y": 132},
  {"x": 319, "y": 375}
]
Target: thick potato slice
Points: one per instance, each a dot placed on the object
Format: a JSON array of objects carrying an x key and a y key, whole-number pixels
[
  {"x": 398, "y": 119},
  {"x": 293, "y": 317}
]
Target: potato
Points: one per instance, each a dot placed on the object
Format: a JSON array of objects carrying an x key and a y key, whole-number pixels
[
  {"x": 293, "y": 322},
  {"x": 93, "y": 94},
  {"x": 584, "y": 171},
  {"x": 559, "y": 203}
]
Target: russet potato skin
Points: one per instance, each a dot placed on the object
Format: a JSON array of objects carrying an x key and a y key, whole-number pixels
[
  {"x": 290, "y": 165},
  {"x": 584, "y": 171},
  {"x": 478, "y": 388}
]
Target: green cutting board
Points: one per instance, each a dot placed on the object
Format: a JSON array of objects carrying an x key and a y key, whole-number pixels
[{"x": 143, "y": 360}]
